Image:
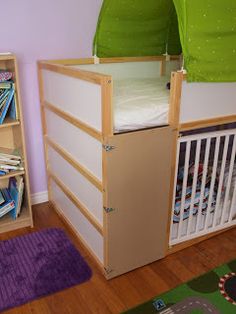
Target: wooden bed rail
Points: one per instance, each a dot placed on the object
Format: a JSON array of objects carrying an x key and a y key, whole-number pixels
[
  {"x": 60, "y": 68},
  {"x": 75, "y": 121},
  {"x": 74, "y": 163},
  {"x": 69, "y": 62}
]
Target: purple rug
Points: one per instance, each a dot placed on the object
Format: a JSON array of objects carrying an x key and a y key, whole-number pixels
[{"x": 38, "y": 264}]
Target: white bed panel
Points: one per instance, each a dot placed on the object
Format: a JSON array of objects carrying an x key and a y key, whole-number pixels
[
  {"x": 207, "y": 100},
  {"x": 85, "y": 191},
  {"x": 174, "y": 65},
  {"x": 123, "y": 70},
  {"x": 89, "y": 234},
  {"x": 83, "y": 147},
  {"x": 80, "y": 98}
]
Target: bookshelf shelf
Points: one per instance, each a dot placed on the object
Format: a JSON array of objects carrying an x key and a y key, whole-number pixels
[
  {"x": 9, "y": 123},
  {"x": 8, "y": 224},
  {"x": 12, "y": 137},
  {"x": 12, "y": 174}
]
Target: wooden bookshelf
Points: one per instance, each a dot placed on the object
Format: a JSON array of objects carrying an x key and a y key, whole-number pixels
[{"x": 12, "y": 137}]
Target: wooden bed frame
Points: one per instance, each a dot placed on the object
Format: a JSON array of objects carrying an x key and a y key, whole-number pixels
[{"x": 134, "y": 171}]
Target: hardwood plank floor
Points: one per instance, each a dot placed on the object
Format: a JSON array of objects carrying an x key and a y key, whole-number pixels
[{"x": 101, "y": 296}]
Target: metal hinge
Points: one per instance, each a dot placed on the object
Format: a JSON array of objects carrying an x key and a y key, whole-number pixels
[
  {"x": 108, "y": 270},
  {"x": 108, "y": 148},
  {"x": 108, "y": 209}
]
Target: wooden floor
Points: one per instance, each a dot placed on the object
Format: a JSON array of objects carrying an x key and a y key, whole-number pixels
[{"x": 124, "y": 292}]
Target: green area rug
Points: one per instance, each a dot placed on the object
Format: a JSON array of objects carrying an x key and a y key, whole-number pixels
[{"x": 213, "y": 293}]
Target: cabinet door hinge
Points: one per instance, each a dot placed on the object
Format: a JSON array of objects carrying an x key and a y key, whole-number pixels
[
  {"x": 107, "y": 147},
  {"x": 108, "y": 209},
  {"x": 108, "y": 270}
]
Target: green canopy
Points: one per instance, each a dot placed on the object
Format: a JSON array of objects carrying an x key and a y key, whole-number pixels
[
  {"x": 207, "y": 31},
  {"x": 137, "y": 28},
  {"x": 208, "y": 37}
]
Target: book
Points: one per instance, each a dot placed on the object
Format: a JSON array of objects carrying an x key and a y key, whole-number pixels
[
  {"x": 9, "y": 203},
  {"x": 20, "y": 199},
  {"x": 3, "y": 96},
  {"x": 10, "y": 153},
  {"x": 13, "y": 112},
  {"x": 3, "y": 172},
  {"x": 5, "y": 75},
  {"x": 4, "y": 109},
  {"x": 10, "y": 167},
  {"x": 8, "y": 161},
  {"x": 12, "y": 188},
  {"x": 16, "y": 188},
  {"x": 5, "y": 85},
  {"x": 20, "y": 187},
  {"x": 3, "y": 103},
  {"x": 2, "y": 200}
]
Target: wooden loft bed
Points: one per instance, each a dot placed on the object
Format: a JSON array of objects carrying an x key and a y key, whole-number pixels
[{"x": 116, "y": 190}]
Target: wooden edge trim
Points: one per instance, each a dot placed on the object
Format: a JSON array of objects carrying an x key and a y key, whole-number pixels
[
  {"x": 180, "y": 246},
  {"x": 76, "y": 122},
  {"x": 136, "y": 59},
  {"x": 68, "y": 62},
  {"x": 44, "y": 124},
  {"x": 206, "y": 123},
  {"x": 7, "y": 57},
  {"x": 107, "y": 108},
  {"x": 105, "y": 203},
  {"x": 89, "y": 76},
  {"x": 82, "y": 170},
  {"x": 67, "y": 222},
  {"x": 76, "y": 202},
  {"x": 79, "y": 61},
  {"x": 163, "y": 68},
  {"x": 172, "y": 187},
  {"x": 175, "y": 99},
  {"x": 23, "y": 141}
]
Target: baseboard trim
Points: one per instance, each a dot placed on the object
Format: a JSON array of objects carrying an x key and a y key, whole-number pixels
[{"x": 40, "y": 197}]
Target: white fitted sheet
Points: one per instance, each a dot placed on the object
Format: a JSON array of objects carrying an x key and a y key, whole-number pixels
[{"x": 140, "y": 103}]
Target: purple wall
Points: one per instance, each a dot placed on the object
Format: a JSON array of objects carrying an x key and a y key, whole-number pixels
[{"x": 44, "y": 29}]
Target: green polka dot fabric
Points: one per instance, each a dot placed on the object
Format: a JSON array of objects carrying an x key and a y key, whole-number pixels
[
  {"x": 128, "y": 28},
  {"x": 208, "y": 37},
  {"x": 206, "y": 29}
]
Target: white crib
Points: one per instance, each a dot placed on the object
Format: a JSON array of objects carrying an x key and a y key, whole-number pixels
[{"x": 205, "y": 192}]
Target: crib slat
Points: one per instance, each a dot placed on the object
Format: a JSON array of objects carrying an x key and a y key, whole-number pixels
[
  {"x": 193, "y": 194},
  {"x": 174, "y": 191},
  {"x": 231, "y": 218},
  {"x": 184, "y": 188},
  {"x": 229, "y": 182},
  {"x": 220, "y": 185},
  {"x": 213, "y": 179},
  {"x": 203, "y": 184}
]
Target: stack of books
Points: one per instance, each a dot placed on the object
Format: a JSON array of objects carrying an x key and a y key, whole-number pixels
[
  {"x": 8, "y": 105},
  {"x": 11, "y": 197},
  {"x": 10, "y": 160}
]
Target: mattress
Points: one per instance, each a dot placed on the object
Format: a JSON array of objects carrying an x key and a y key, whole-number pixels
[{"x": 140, "y": 103}]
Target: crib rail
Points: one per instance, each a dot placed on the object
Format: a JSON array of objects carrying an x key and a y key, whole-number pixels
[{"x": 205, "y": 185}]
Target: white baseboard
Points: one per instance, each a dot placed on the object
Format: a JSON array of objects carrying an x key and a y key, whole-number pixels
[{"x": 40, "y": 197}]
